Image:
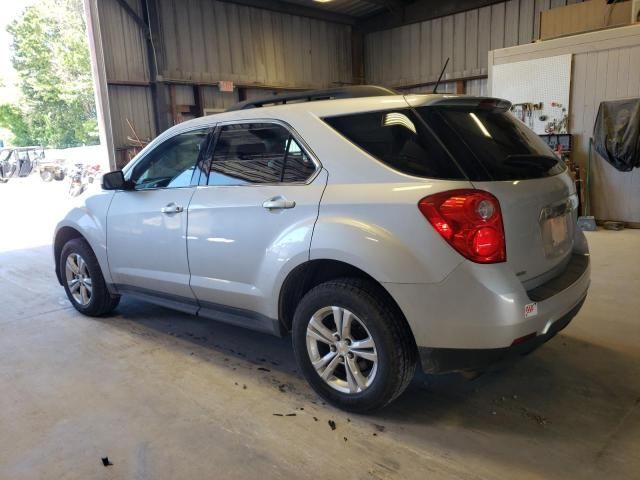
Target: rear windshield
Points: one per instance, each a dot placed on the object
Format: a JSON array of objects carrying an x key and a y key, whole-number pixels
[
  {"x": 492, "y": 144},
  {"x": 480, "y": 144}
]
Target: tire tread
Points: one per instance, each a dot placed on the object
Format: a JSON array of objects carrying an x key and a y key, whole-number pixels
[
  {"x": 104, "y": 301},
  {"x": 404, "y": 353}
]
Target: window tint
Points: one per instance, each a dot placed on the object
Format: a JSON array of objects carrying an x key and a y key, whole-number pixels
[
  {"x": 258, "y": 153},
  {"x": 172, "y": 163},
  {"x": 492, "y": 144},
  {"x": 298, "y": 167},
  {"x": 398, "y": 139}
]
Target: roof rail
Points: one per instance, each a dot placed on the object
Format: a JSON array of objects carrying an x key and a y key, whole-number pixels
[{"x": 354, "y": 91}]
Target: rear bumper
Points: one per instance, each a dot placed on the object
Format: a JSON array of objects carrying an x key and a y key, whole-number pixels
[
  {"x": 472, "y": 318},
  {"x": 443, "y": 360}
]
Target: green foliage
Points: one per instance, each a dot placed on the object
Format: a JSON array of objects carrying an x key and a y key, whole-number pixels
[
  {"x": 51, "y": 57},
  {"x": 12, "y": 119}
]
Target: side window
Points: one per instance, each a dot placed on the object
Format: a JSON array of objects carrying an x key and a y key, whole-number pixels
[
  {"x": 298, "y": 167},
  {"x": 398, "y": 139},
  {"x": 171, "y": 164},
  {"x": 253, "y": 153}
]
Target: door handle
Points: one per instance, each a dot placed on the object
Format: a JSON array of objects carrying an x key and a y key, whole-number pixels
[
  {"x": 172, "y": 208},
  {"x": 278, "y": 203}
]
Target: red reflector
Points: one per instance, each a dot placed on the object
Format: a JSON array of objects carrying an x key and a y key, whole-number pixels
[
  {"x": 524, "y": 339},
  {"x": 470, "y": 221},
  {"x": 486, "y": 241}
]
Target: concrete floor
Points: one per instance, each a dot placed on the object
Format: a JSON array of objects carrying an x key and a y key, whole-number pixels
[{"x": 165, "y": 395}]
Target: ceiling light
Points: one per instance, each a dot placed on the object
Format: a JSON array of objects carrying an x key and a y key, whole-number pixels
[
  {"x": 481, "y": 126},
  {"x": 394, "y": 118}
]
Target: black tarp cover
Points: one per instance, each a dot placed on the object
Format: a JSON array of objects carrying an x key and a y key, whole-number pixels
[{"x": 616, "y": 134}]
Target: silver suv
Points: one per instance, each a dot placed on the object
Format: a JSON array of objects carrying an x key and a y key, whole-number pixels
[{"x": 384, "y": 232}]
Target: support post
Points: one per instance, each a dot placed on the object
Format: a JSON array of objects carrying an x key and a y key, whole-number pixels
[
  {"x": 99, "y": 72},
  {"x": 198, "y": 108},
  {"x": 357, "y": 57},
  {"x": 154, "y": 50}
]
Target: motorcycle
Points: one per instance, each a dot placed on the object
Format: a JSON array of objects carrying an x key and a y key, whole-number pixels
[{"x": 81, "y": 177}]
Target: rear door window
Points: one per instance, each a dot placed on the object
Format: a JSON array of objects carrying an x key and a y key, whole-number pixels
[
  {"x": 298, "y": 167},
  {"x": 254, "y": 153}
]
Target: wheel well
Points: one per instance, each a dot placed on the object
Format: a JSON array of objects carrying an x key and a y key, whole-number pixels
[
  {"x": 62, "y": 237},
  {"x": 314, "y": 272}
]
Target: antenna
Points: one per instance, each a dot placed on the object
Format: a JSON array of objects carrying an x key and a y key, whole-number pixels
[{"x": 435, "y": 89}]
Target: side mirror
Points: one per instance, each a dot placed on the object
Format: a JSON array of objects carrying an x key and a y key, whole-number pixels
[{"x": 115, "y": 181}]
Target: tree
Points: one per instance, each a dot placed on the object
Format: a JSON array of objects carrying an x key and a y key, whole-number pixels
[
  {"x": 51, "y": 56},
  {"x": 12, "y": 119}
]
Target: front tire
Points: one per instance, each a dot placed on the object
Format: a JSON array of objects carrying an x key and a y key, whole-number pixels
[
  {"x": 83, "y": 280},
  {"x": 353, "y": 347},
  {"x": 46, "y": 175}
]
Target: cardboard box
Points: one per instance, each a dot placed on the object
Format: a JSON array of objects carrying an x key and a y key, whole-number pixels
[{"x": 584, "y": 17}]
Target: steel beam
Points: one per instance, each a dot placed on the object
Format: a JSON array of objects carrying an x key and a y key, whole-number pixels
[
  {"x": 418, "y": 11},
  {"x": 296, "y": 9},
  {"x": 134, "y": 15}
]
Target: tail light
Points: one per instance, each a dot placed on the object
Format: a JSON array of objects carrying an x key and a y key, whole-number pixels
[{"x": 470, "y": 221}]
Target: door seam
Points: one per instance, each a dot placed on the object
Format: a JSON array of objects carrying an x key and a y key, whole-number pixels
[
  {"x": 313, "y": 230},
  {"x": 186, "y": 239}
]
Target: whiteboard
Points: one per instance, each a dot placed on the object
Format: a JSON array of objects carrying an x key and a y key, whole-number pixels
[{"x": 543, "y": 80}]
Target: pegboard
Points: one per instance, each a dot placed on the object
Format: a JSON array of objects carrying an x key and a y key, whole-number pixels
[{"x": 543, "y": 80}]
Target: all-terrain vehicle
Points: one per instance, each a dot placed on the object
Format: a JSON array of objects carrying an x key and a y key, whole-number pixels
[
  {"x": 18, "y": 161},
  {"x": 51, "y": 169}
]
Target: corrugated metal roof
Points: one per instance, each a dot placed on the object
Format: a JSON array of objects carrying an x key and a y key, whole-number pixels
[{"x": 354, "y": 8}]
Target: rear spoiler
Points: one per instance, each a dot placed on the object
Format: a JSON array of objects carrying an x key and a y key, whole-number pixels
[{"x": 466, "y": 101}]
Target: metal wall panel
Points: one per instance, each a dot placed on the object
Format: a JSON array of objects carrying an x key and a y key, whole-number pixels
[
  {"x": 125, "y": 53},
  {"x": 131, "y": 105},
  {"x": 184, "y": 95},
  {"x": 415, "y": 53},
  {"x": 258, "y": 93},
  {"x": 212, "y": 98},
  {"x": 444, "y": 87},
  {"x": 477, "y": 87},
  {"x": 207, "y": 41}
]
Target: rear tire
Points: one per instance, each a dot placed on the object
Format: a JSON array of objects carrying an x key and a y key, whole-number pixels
[
  {"x": 83, "y": 280},
  {"x": 373, "y": 361}
]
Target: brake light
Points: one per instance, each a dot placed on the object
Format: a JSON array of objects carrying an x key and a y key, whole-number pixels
[{"x": 470, "y": 221}]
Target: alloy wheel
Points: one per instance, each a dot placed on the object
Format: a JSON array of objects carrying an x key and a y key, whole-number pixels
[
  {"x": 341, "y": 350},
  {"x": 78, "y": 279}
]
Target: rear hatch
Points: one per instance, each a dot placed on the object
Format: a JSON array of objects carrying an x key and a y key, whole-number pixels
[{"x": 500, "y": 155}]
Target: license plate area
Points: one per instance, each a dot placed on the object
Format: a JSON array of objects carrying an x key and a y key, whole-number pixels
[{"x": 556, "y": 227}]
